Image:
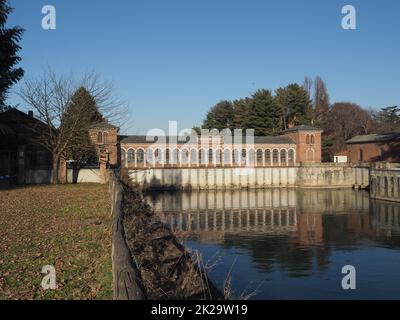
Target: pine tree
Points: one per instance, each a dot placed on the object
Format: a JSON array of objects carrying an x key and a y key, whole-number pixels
[
  {"x": 294, "y": 104},
  {"x": 220, "y": 116},
  {"x": 388, "y": 119},
  {"x": 83, "y": 103},
  {"x": 262, "y": 115},
  {"x": 241, "y": 110},
  {"x": 9, "y": 38}
]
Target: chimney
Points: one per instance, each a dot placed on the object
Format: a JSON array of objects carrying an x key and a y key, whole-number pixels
[{"x": 30, "y": 113}]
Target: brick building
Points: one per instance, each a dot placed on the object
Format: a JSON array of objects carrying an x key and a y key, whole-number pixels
[
  {"x": 374, "y": 148},
  {"x": 23, "y": 162},
  {"x": 21, "y": 159},
  {"x": 300, "y": 144}
]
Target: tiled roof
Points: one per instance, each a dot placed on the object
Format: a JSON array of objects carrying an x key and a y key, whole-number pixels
[
  {"x": 302, "y": 127},
  {"x": 381, "y": 137},
  {"x": 103, "y": 126},
  {"x": 257, "y": 140}
]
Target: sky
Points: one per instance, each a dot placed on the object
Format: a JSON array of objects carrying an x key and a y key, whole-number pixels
[{"x": 173, "y": 60}]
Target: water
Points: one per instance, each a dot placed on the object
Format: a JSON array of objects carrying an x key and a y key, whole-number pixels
[{"x": 290, "y": 244}]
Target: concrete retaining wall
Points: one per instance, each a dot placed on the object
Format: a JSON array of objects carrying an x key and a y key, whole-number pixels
[
  {"x": 385, "y": 184},
  {"x": 83, "y": 176},
  {"x": 237, "y": 178}
]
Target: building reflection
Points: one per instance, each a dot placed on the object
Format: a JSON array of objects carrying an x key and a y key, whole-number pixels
[{"x": 311, "y": 217}]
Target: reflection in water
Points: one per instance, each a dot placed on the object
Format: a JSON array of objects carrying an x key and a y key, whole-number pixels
[{"x": 291, "y": 243}]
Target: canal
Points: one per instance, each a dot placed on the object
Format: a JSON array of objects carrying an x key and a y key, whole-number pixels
[{"x": 290, "y": 243}]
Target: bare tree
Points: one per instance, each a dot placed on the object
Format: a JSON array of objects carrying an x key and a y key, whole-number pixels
[
  {"x": 321, "y": 102},
  {"x": 64, "y": 124},
  {"x": 308, "y": 84},
  {"x": 345, "y": 121}
]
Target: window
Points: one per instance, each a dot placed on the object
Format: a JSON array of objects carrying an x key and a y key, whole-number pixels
[
  {"x": 100, "y": 137},
  {"x": 260, "y": 157},
  {"x": 312, "y": 139},
  {"x": 131, "y": 156},
  {"x": 227, "y": 157},
  {"x": 275, "y": 157},
  {"x": 244, "y": 156},
  {"x": 283, "y": 157},
  {"x": 175, "y": 155},
  {"x": 361, "y": 155},
  {"x": 193, "y": 156},
  {"x": 149, "y": 156},
  {"x": 184, "y": 157},
  {"x": 308, "y": 139},
  {"x": 210, "y": 156},
  {"x": 291, "y": 157},
  {"x": 158, "y": 156},
  {"x": 268, "y": 157},
  {"x": 140, "y": 156},
  {"x": 218, "y": 156},
  {"x": 105, "y": 139},
  {"x": 310, "y": 155}
]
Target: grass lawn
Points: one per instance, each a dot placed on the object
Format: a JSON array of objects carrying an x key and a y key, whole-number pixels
[{"x": 68, "y": 227}]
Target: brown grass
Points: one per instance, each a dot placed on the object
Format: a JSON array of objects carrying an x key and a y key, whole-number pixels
[{"x": 66, "y": 226}]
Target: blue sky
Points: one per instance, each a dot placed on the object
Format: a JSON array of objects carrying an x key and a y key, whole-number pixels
[{"x": 173, "y": 60}]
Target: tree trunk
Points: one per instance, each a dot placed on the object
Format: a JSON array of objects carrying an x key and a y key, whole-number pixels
[{"x": 55, "y": 169}]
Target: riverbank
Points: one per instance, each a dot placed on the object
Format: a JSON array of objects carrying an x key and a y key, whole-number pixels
[
  {"x": 165, "y": 269},
  {"x": 66, "y": 226}
]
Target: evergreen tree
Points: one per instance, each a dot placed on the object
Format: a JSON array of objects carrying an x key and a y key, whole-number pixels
[
  {"x": 9, "y": 38},
  {"x": 262, "y": 114},
  {"x": 294, "y": 104},
  {"x": 83, "y": 103},
  {"x": 241, "y": 110},
  {"x": 220, "y": 116},
  {"x": 388, "y": 119}
]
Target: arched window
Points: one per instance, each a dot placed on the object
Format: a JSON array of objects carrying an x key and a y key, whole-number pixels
[
  {"x": 267, "y": 157},
  {"x": 236, "y": 157},
  {"x": 251, "y": 157},
  {"x": 100, "y": 137},
  {"x": 140, "y": 156},
  {"x": 210, "y": 157},
  {"x": 218, "y": 157},
  {"x": 283, "y": 157},
  {"x": 149, "y": 156},
  {"x": 193, "y": 156},
  {"x": 174, "y": 158},
  {"x": 202, "y": 156},
  {"x": 275, "y": 157},
  {"x": 243, "y": 156},
  {"x": 105, "y": 137},
  {"x": 260, "y": 157},
  {"x": 312, "y": 139},
  {"x": 158, "y": 156},
  {"x": 131, "y": 156},
  {"x": 227, "y": 157},
  {"x": 291, "y": 157},
  {"x": 310, "y": 155},
  {"x": 308, "y": 139},
  {"x": 184, "y": 158}
]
